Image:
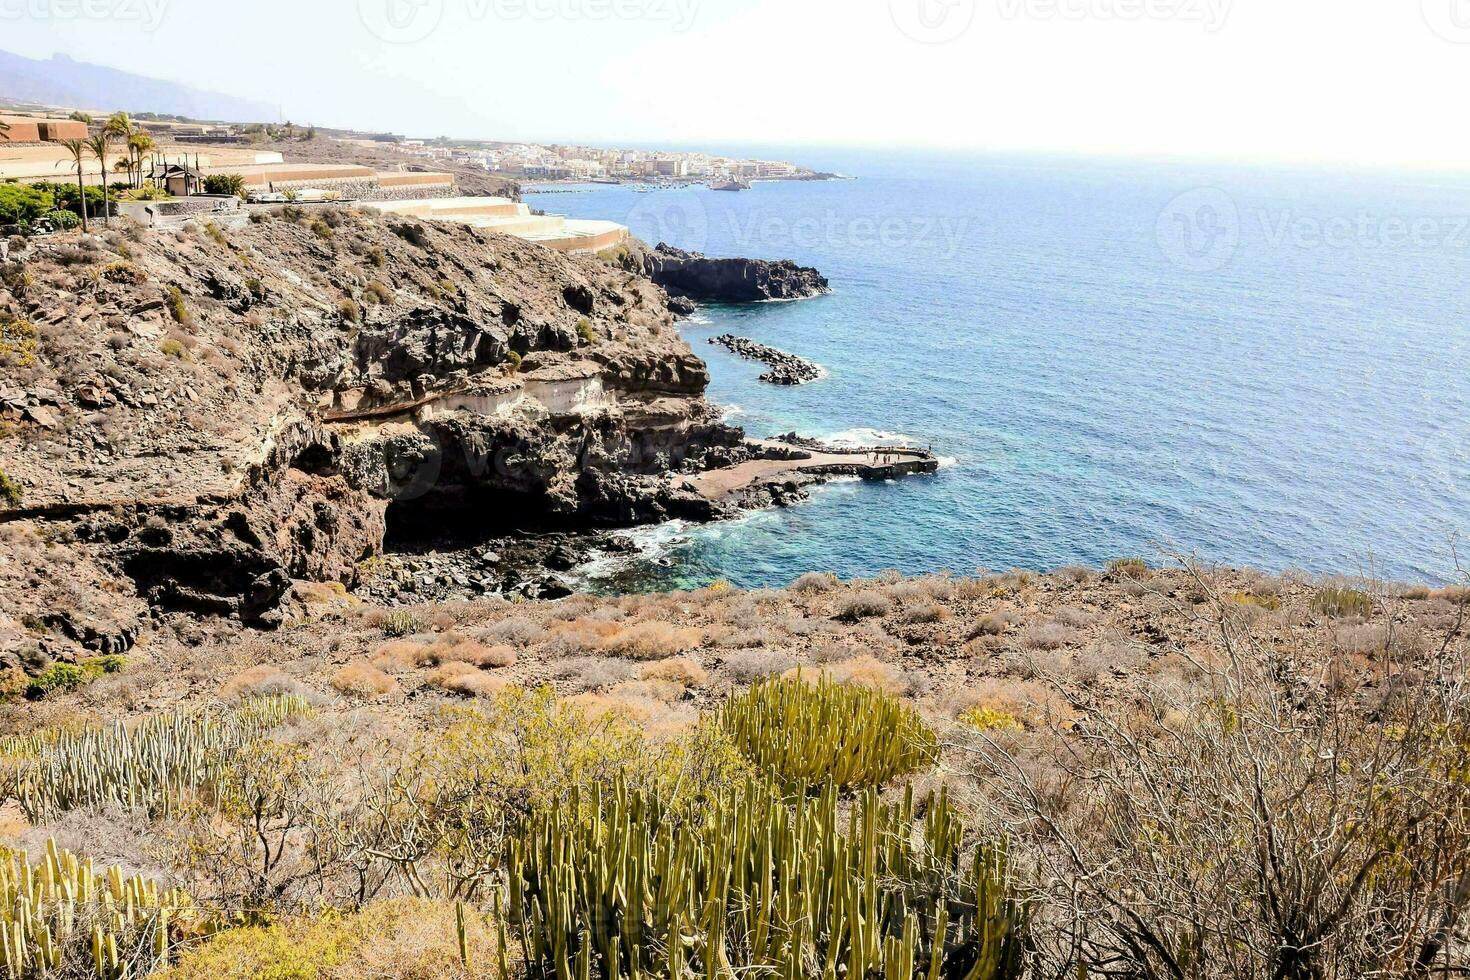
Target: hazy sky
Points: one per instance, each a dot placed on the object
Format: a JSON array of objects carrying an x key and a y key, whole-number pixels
[{"x": 1370, "y": 81}]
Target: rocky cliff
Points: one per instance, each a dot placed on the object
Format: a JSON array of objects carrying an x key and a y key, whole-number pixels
[
  {"x": 693, "y": 276},
  {"x": 191, "y": 419}
]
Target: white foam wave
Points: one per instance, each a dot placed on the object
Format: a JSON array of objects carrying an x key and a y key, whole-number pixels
[
  {"x": 945, "y": 462},
  {"x": 858, "y": 438}
]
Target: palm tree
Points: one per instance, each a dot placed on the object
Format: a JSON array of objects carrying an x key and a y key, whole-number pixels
[
  {"x": 78, "y": 150},
  {"x": 139, "y": 144},
  {"x": 99, "y": 145},
  {"x": 119, "y": 124}
]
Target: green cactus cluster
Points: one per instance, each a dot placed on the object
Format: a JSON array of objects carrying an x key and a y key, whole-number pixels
[
  {"x": 154, "y": 765},
  {"x": 617, "y": 885},
  {"x": 61, "y": 917},
  {"x": 806, "y": 733}
]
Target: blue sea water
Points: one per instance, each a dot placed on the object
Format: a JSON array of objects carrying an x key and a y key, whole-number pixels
[{"x": 1259, "y": 367}]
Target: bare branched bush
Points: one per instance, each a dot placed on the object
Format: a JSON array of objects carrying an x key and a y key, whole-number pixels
[{"x": 1265, "y": 821}]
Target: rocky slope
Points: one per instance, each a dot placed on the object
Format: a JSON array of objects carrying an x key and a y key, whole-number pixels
[
  {"x": 692, "y": 276},
  {"x": 191, "y": 420}
]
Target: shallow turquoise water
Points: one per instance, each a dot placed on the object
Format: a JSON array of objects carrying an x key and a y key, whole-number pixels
[{"x": 1272, "y": 370}]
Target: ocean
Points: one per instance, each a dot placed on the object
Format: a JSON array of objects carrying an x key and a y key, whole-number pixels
[{"x": 1255, "y": 367}]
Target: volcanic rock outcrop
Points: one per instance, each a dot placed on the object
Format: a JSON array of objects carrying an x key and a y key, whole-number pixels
[
  {"x": 193, "y": 418},
  {"x": 710, "y": 280}
]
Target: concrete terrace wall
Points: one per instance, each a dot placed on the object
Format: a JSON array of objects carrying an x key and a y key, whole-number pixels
[
  {"x": 508, "y": 217},
  {"x": 404, "y": 193}
]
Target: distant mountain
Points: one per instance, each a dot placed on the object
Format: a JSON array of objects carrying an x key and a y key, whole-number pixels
[{"x": 65, "y": 82}]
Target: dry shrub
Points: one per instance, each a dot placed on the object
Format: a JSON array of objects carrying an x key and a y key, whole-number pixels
[
  {"x": 403, "y": 938},
  {"x": 748, "y": 666},
  {"x": 1074, "y": 617},
  {"x": 604, "y": 707},
  {"x": 676, "y": 670},
  {"x": 1458, "y": 595},
  {"x": 1125, "y": 568},
  {"x": 1339, "y": 821},
  {"x": 653, "y": 641},
  {"x": 1048, "y": 636},
  {"x": 1030, "y": 703},
  {"x": 937, "y": 586},
  {"x": 258, "y": 680},
  {"x": 994, "y": 624},
  {"x": 864, "y": 671},
  {"x": 593, "y": 673},
  {"x": 462, "y": 678},
  {"x": 397, "y": 656},
  {"x": 473, "y": 652},
  {"x": 862, "y": 605},
  {"x": 907, "y": 591},
  {"x": 577, "y": 636},
  {"x": 650, "y": 690},
  {"x": 514, "y": 630},
  {"x": 362, "y": 679},
  {"x": 814, "y": 582},
  {"x": 1342, "y": 602},
  {"x": 1075, "y": 573},
  {"x": 1366, "y": 638},
  {"x": 928, "y": 612}
]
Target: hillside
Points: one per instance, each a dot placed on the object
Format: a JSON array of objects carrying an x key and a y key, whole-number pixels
[
  {"x": 212, "y": 413},
  {"x": 399, "y": 790},
  {"x": 62, "y": 81}
]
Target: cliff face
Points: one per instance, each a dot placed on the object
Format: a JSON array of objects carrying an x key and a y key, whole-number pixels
[
  {"x": 693, "y": 276},
  {"x": 194, "y": 418}
]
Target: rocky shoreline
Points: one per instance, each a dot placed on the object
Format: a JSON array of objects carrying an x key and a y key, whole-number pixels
[
  {"x": 474, "y": 415},
  {"x": 693, "y": 276},
  {"x": 786, "y": 369}
]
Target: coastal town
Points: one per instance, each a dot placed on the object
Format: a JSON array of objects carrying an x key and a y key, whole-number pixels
[
  {"x": 162, "y": 170},
  {"x": 521, "y": 161}
]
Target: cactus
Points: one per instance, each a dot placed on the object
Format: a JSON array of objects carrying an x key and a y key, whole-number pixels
[
  {"x": 59, "y": 916},
  {"x": 154, "y": 765},
  {"x": 805, "y": 733},
  {"x": 617, "y": 885}
]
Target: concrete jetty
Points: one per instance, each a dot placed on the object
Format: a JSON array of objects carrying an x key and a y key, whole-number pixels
[{"x": 780, "y": 459}]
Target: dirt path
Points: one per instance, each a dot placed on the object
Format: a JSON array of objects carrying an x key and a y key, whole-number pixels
[{"x": 867, "y": 463}]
